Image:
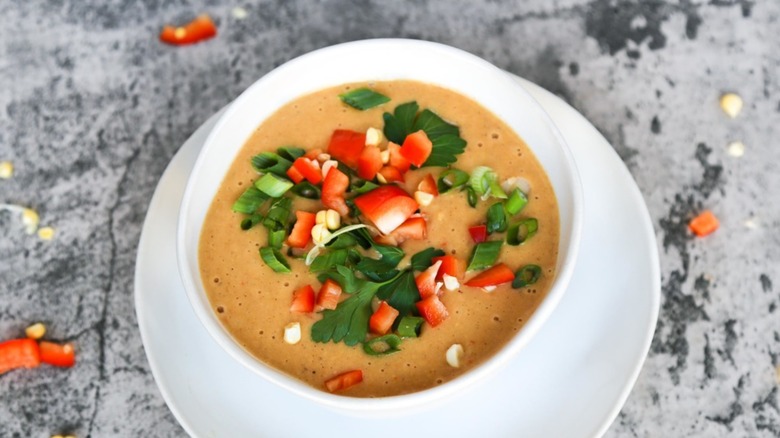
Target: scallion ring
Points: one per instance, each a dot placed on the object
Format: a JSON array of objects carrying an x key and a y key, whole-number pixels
[
  {"x": 485, "y": 255},
  {"x": 451, "y": 179},
  {"x": 273, "y": 185},
  {"x": 521, "y": 231},
  {"x": 274, "y": 259},
  {"x": 516, "y": 202},
  {"x": 526, "y": 276},
  {"x": 409, "y": 326},
  {"x": 387, "y": 344}
]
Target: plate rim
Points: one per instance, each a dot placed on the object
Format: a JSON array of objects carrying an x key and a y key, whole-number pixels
[{"x": 532, "y": 89}]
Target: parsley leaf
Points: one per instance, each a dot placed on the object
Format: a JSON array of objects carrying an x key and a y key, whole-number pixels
[
  {"x": 401, "y": 293},
  {"x": 326, "y": 261},
  {"x": 423, "y": 259},
  {"x": 447, "y": 143}
]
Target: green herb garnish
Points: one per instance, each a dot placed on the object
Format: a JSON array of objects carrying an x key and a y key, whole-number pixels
[
  {"x": 273, "y": 185},
  {"x": 276, "y": 238},
  {"x": 401, "y": 293},
  {"x": 445, "y": 137},
  {"x": 363, "y": 98},
  {"x": 387, "y": 344},
  {"x": 269, "y": 162},
  {"x": 516, "y": 202},
  {"x": 423, "y": 259},
  {"x": 278, "y": 215},
  {"x": 526, "y": 276},
  {"x": 274, "y": 259},
  {"x": 249, "y": 201},
  {"x": 471, "y": 197},
  {"x": 251, "y": 221},
  {"x": 451, "y": 179},
  {"x": 521, "y": 231},
  {"x": 496, "y": 218},
  {"x": 361, "y": 186},
  {"x": 409, "y": 326},
  {"x": 328, "y": 260},
  {"x": 291, "y": 153},
  {"x": 307, "y": 190},
  {"x": 484, "y": 255}
]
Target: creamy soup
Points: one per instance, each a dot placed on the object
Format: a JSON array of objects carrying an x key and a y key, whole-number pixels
[{"x": 253, "y": 302}]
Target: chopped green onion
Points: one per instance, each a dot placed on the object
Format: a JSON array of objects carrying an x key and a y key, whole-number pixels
[
  {"x": 495, "y": 188},
  {"x": 290, "y": 153},
  {"x": 520, "y": 232},
  {"x": 249, "y": 201},
  {"x": 306, "y": 189},
  {"x": 496, "y": 218},
  {"x": 387, "y": 344},
  {"x": 251, "y": 221},
  {"x": 478, "y": 181},
  {"x": 451, "y": 179},
  {"x": 278, "y": 215},
  {"x": 269, "y": 162},
  {"x": 273, "y": 185},
  {"x": 485, "y": 255},
  {"x": 274, "y": 259},
  {"x": 516, "y": 202},
  {"x": 276, "y": 238},
  {"x": 409, "y": 326},
  {"x": 363, "y": 98},
  {"x": 362, "y": 186},
  {"x": 526, "y": 276},
  {"x": 471, "y": 196}
]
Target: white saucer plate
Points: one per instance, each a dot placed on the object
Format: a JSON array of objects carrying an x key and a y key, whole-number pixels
[{"x": 570, "y": 381}]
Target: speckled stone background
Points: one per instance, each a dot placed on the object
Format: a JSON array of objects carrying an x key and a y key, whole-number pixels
[{"x": 93, "y": 107}]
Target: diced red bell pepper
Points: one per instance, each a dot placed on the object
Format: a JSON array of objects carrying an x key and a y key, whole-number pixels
[
  {"x": 312, "y": 154},
  {"x": 391, "y": 174},
  {"x": 396, "y": 159},
  {"x": 382, "y": 320},
  {"x": 450, "y": 265},
  {"x": 498, "y": 274},
  {"x": 426, "y": 280},
  {"x": 432, "y": 310},
  {"x": 295, "y": 175},
  {"x": 428, "y": 185},
  {"x": 478, "y": 233},
  {"x": 344, "y": 380},
  {"x": 58, "y": 355},
  {"x": 413, "y": 228},
  {"x": 417, "y": 148},
  {"x": 369, "y": 163},
  {"x": 301, "y": 232},
  {"x": 19, "y": 353},
  {"x": 387, "y": 206},
  {"x": 333, "y": 189},
  {"x": 303, "y": 300},
  {"x": 346, "y": 146},
  {"x": 328, "y": 297},
  {"x": 704, "y": 224},
  {"x": 199, "y": 29},
  {"x": 310, "y": 169}
]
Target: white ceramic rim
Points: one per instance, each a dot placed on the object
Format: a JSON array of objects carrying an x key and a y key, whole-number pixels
[{"x": 238, "y": 123}]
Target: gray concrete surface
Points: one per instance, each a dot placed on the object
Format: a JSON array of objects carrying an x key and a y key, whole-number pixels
[{"x": 93, "y": 107}]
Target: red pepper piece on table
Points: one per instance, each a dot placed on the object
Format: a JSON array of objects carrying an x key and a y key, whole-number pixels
[
  {"x": 704, "y": 224},
  {"x": 57, "y": 355},
  {"x": 199, "y": 29},
  {"x": 19, "y": 353}
]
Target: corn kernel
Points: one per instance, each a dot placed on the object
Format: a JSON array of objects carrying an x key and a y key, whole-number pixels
[
  {"x": 373, "y": 137},
  {"x": 320, "y": 234},
  {"x": 323, "y": 157},
  {"x": 385, "y": 156},
  {"x": 6, "y": 170},
  {"x": 423, "y": 199},
  {"x": 332, "y": 219},
  {"x": 46, "y": 233},
  {"x": 30, "y": 219},
  {"x": 450, "y": 283},
  {"x": 731, "y": 104},
  {"x": 292, "y": 333},
  {"x": 239, "y": 13},
  {"x": 454, "y": 355},
  {"x": 35, "y": 331},
  {"x": 381, "y": 178},
  {"x": 321, "y": 216},
  {"x": 736, "y": 149}
]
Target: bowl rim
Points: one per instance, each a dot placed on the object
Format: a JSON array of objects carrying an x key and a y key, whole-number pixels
[{"x": 394, "y": 403}]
